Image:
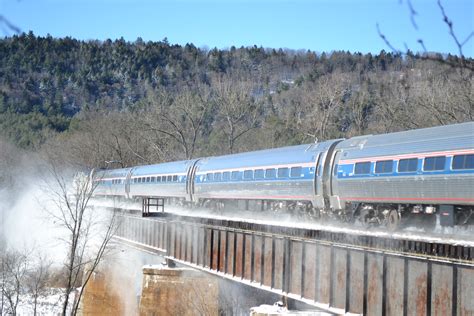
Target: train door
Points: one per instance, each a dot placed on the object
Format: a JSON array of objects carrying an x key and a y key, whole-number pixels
[
  {"x": 334, "y": 197},
  {"x": 318, "y": 186},
  {"x": 326, "y": 173},
  {"x": 190, "y": 180},
  {"x": 127, "y": 183}
]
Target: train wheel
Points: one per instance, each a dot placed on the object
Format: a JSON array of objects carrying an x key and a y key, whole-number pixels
[
  {"x": 393, "y": 220},
  {"x": 364, "y": 217},
  {"x": 314, "y": 213}
]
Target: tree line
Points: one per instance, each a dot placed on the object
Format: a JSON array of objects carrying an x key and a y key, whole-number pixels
[{"x": 146, "y": 102}]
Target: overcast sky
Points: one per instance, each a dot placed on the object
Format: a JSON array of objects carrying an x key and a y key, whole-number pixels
[{"x": 318, "y": 25}]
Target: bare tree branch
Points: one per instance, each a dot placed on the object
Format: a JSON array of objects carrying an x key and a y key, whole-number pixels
[{"x": 9, "y": 25}]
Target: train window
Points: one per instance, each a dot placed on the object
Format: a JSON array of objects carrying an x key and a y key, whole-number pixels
[
  {"x": 362, "y": 168},
  {"x": 248, "y": 174},
  {"x": 234, "y": 175},
  {"x": 408, "y": 165},
  {"x": 384, "y": 166},
  {"x": 169, "y": 178},
  {"x": 209, "y": 177},
  {"x": 259, "y": 174},
  {"x": 158, "y": 179},
  {"x": 282, "y": 172},
  {"x": 148, "y": 179},
  {"x": 295, "y": 172},
  {"x": 175, "y": 178},
  {"x": 153, "y": 179},
  {"x": 270, "y": 173},
  {"x": 434, "y": 163},
  {"x": 217, "y": 176},
  {"x": 226, "y": 176},
  {"x": 463, "y": 162}
]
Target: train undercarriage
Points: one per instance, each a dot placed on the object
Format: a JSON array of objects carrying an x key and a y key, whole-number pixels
[{"x": 390, "y": 216}]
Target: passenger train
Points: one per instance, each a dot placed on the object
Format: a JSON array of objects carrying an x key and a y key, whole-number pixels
[{"x": 375, "y": 179}]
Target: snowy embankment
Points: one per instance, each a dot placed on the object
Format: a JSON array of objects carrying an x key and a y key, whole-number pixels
[{"x": 50, "y": 302}]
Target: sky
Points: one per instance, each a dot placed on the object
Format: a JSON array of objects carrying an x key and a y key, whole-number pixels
[{"x": 316, "y": 25}]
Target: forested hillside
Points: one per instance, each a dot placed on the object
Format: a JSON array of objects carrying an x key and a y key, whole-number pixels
[{"x": 146, "y": 102}]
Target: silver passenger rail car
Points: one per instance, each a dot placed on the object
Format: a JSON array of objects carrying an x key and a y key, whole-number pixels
[
  {"x": 166, "y": 180},
  {"x": 384, "y": 177},
  {"x": 110, "y": 182},
  {"x": 288, "y": 178}
]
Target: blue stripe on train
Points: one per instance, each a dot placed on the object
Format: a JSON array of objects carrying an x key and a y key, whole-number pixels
[{"x": 347, "y": 171}]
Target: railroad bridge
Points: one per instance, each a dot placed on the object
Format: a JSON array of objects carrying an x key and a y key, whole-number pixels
[{"x": 335, "y": 271}]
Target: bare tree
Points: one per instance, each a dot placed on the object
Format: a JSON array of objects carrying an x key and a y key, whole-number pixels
[
  {"x": 321, "y": 103},
  {"x": 88, "y": 231},
  {"x": 3, "y": 249},
  {"x": 14, "y": 267},
  {"x": 10, "y": 156},
  {"x": 37, "y": 279},
  {"x": 8, "y": 26},
  {"x": 238, "y": 110},
  {"x": 180, "y": 118},
  {"x": 461, "y": 63}
]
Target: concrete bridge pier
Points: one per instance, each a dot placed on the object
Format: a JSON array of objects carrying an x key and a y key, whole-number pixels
[{"x": 177, "y": 291}]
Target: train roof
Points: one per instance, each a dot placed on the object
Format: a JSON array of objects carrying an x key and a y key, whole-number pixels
[
  {"x": 439, "y": 138},
  {"x": 163, "y": 168},
  {"x": 268, "y": 157},
  {"x": 113, "y": 173}
]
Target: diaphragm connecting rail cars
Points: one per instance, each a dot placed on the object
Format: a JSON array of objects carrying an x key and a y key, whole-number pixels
[{"x": 377, "y": 179}]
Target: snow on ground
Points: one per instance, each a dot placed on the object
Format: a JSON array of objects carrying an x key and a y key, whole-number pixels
[
  {"x": 278, "y": 309},
  {"x": 49, "y": 303}
]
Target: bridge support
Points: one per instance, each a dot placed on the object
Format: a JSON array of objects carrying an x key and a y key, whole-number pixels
[{"x": 177, "y": 291}]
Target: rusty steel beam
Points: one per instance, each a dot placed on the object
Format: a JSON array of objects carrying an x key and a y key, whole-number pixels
[{"x": 358, "y": 278}]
